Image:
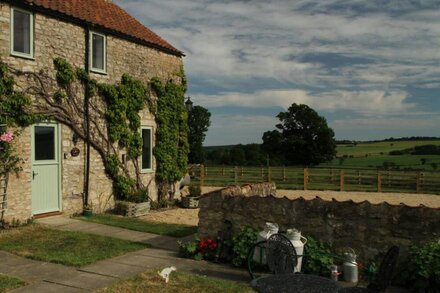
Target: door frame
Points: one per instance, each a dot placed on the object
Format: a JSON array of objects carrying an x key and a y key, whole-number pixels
[{"x": 58, "y": 156}]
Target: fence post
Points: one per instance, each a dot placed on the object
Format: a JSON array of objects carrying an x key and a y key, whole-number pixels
[
  {"x": 284, "y": 173},
  {"x": 202, "y": 175},
  {"x": 306, "y": 178},
  {"x": 262, "y": 172},
  {"x": 241, "y": 174},
  {"x": 379, "y": 182},
  {"x": 359, "y": 177},
  {"x": 269, "y": 174},
  {"x": 418, "y": 182},
  {"x": 341, "y": 183},
  {"x": 206, "y": 171},
  {"x": 236, "y": 175}
]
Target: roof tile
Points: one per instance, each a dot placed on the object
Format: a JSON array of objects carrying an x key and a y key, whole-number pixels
[{"x": 108, "y": 15}]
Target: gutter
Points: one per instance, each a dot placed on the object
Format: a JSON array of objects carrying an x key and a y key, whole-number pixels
[{"x": 87, "y": 116}]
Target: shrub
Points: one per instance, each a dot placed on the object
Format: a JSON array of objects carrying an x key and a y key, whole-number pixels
[
  {"x": 241, "y": 243},
  {"x": 397, "y": 153},
  {"x": 428, "y": 149},
  {"x": 138, "y": 196},
  {"x": 195, "y": 191},
  {"x": 317, "y": 259},
  {"x": 189, "y": 250},
  {"x": 421, "y": 269},
  {"x": 162, "y": 203}
]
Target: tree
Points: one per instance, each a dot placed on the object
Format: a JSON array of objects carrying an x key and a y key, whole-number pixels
[
  {"x": 237, "y": 155},
  {"x": 198, "y": 124},
  {"x": 302, "y": 138}
]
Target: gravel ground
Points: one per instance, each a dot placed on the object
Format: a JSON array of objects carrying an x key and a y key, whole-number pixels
[
  {"x": 409, "y": 199},
  {"x": 190, "y": 216}
]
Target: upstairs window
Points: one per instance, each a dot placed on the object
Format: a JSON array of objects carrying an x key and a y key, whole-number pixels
[
  {"x": 22, "y": 33},
  {"x": 98, "y": 52},
  {"x": 147, "y": 154}
]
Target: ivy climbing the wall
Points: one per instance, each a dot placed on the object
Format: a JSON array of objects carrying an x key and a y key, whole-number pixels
[
  {"x": 172, "y": 148},
  {"x": 114, "y": 120},
  {"x": 13, "y": 115},
  {"x": 119, "y": 106}
]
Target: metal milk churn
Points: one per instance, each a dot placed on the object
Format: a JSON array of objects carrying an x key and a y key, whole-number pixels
[
  {"x": 298, "y": 243},
  {"x": 350, "y": 267},
  {"x": 269, "y": 230}
]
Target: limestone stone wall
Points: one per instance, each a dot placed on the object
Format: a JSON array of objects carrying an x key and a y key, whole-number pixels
[
  {"x": 368, "y": 228},
  {"x": 56, "y": 38},
  {"x": 19, "y": 186}
]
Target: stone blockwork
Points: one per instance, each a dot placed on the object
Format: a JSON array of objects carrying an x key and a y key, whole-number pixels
[
  {"x": 57, "y": 38},
  {"x": 368, "y": 228}
]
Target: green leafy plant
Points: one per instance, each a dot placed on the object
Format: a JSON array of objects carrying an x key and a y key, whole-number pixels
[
  {"x": 171, "y": 150},
  {"x": 162, "y": 203},
  {"x": 199, "y": 249},
  {"x": 13, "y": 114},
  {"x": 241, "y": 243},
  {"x": 119, "y": 106},
  {"x": 195, "y": 190},
  {"x": 138, "y": 196},
  {"x": 189, "y": 250},
  {"x": 420, "y": 271},
  {"x": 318, "y": 257}
]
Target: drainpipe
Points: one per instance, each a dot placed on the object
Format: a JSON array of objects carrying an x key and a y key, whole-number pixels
[{"x": 87, "y": 117}]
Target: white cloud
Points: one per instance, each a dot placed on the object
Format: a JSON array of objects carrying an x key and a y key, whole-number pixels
[
  {"x": 267, "y": 53},
  {"x": 267, "y": 36},
  {"x": 361, "y": 102}
]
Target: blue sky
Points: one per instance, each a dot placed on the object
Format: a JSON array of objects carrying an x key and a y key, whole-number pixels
[{"x": 370, "y": 67}]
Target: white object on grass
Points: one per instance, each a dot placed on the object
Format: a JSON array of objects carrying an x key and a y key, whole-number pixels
[{"x": 165, "y": 273}]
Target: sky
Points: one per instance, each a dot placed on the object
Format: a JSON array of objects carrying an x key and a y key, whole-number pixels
[{"x": 370, "y": 67}]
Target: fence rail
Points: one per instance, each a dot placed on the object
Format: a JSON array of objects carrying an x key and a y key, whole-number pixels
[{"x": 320, "y": 178}]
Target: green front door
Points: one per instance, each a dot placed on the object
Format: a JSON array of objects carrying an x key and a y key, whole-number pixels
[{"x": 45, "y": 169}]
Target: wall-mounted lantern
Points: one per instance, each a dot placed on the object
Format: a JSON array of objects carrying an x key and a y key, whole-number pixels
[{"x": 189, "y": 104}]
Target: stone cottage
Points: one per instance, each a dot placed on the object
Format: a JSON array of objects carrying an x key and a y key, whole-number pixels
[{"x": 103, "y": 39}]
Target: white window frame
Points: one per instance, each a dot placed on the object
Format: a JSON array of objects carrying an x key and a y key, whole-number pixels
[
  {"x": 31, "y": 34},
  {"x": 149, "y": 170},
  {"x": 98, "y": 70}
]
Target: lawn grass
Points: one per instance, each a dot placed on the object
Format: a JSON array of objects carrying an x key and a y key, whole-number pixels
[
  {"x": 63, "y": 247},
  {"x": 150, "y": 281},
  {"x": 8, "y": 283},
  {"x": 173, "y": 230}
]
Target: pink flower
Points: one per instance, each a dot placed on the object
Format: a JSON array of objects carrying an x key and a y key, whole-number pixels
[{"x": 7, "y": 136}]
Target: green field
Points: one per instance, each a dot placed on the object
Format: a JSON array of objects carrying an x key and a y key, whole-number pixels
[
  {"x": 374, "y": 154},
  {"x": 376, "y": 148}
]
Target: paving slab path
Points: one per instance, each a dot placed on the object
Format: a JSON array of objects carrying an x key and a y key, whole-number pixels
[{"x": 47, "y": 277}]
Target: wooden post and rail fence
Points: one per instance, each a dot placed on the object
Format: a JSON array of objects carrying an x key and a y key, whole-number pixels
[{"x": 318, "y": 178}]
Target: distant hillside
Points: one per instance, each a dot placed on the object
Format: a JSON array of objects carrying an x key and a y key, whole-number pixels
[
  {"x": 219, "y": 147},
  {"x": 411, "y": 138},
  {"x": 407, "y": 153}
]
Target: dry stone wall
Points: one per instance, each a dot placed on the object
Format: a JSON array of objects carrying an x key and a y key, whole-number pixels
[
  {"x": 55, "y": 38},
  {"x": 368, "y": 228}
]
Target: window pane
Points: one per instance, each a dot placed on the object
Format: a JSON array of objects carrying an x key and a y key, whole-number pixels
[
  {"x": 44, "y": 143},
  {"x": 22, "y": 32},
  {"x": 146, "y": 148},
  {"x": 98, "y": 52}
]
